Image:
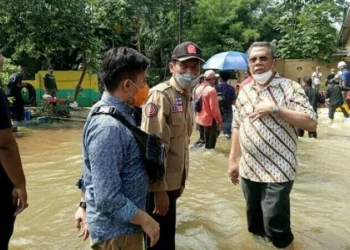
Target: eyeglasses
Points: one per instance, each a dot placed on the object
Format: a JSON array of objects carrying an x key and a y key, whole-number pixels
[{"x": 261, "y": 58}]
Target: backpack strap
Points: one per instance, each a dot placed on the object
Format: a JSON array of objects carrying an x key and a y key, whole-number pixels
[
  {"x": 140, "y": 136},
  {"x": 112, "y": 111},
  {"x": 201, "y": 93},
  {"x": 151, "y": 147}
]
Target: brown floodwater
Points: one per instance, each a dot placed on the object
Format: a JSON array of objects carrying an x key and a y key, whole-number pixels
[{"x": 211, "y": 213}]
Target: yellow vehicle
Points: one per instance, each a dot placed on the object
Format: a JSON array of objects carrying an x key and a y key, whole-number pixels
[{"x": 66, "y": 82}]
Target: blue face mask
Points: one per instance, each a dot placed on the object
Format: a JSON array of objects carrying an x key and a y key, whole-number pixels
[{"x": 187, "y": 80}]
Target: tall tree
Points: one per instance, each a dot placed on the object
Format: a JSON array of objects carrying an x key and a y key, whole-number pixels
[
  {"x": 309, "y": 31},
  {"x": 223, "y": 25},
  {"x": 45, "y": 28}
]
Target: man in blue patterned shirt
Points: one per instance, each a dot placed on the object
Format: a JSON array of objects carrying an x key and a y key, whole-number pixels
[{"x": 115, "y": 180}]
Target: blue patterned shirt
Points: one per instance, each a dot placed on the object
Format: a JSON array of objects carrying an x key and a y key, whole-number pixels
[{"x": 115, "y": 180}]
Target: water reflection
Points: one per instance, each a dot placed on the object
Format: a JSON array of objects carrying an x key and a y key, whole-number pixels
[{"x": 211, "y": 214}]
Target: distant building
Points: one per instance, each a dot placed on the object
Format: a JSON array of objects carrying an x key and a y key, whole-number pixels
[{"x": 344, "y": 39}]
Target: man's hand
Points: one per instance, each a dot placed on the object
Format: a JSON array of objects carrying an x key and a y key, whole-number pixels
[
  {"x": 263, "y": 109},
  {"x": 152, "y": 229},
  {"x": 80, "y": 218},
  {"x": 221, "y": 126},
  {"x": 19, "y": 198},
  {"x": 233, "y": 172},
  {"x": 161, "y": 203}
]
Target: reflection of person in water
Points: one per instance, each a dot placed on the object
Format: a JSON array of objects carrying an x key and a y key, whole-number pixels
[{"x": 15, "y": 86}]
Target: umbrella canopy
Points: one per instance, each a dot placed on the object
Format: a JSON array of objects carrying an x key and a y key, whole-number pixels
[{"x": 228, "y": 61}]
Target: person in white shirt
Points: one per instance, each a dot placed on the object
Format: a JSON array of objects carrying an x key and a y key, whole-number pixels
[{"x": 316, "y": 78}]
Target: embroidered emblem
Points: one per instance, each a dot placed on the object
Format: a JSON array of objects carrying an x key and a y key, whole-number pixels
[
  {"x": 174, "y": 109},
  {"x": 178, "y": 100},
  {"x": 151, "y": 110},
  {"x": 180, "y": 108},
  {"x": 191, "y": 49}
]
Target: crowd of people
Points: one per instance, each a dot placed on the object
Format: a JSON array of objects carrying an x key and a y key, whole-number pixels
[
  {"x": 262, "y": 127},
  {"x": 120, "y": 208},
  {"x": 336, "y": 94}
]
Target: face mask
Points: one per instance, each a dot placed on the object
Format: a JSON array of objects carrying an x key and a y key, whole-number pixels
[
  {"x": 141, "y": 96},
  {"x": 187, "y": 80},
  {"x": 262, "y": 78}
]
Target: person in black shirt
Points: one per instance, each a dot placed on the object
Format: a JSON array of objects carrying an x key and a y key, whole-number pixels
[
  {"x": 15, "y": 86},
  {"x": 12, "y": 179},
  {"x": 334, "y": 93},
  {"x": 314, "y": 98},
  {"x": 330, "y": 76}
]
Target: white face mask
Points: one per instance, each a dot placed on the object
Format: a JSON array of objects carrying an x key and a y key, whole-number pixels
[{"x": 262, "y": 78}]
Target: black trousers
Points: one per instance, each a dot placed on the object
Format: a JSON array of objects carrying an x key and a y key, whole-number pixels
[
  {"x": 209, "y": 135},
  {"x": 301, "y": 133},
  {"x": 268, "y": 210},
  {"x": 332, "y": 111},
  {"x": 17, "y": 111},
  {"x": 167, "y": 223},
  {"x": 7, "y": 209}
]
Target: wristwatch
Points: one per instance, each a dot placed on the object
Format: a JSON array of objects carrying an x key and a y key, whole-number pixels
[
  {"x": 82, "y": 204},
  {"x": 275, "y": 111}
]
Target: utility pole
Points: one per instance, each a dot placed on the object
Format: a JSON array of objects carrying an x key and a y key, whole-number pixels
[{"x": 181, "y": 15}]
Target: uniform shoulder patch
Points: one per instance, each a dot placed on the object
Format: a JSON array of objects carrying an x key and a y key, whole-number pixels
[{"x": 151, "y": 110}]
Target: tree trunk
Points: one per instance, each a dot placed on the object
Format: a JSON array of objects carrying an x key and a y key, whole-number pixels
[
  {"x": 80, "y": 81},
  {"x": 138, "y": 34}
]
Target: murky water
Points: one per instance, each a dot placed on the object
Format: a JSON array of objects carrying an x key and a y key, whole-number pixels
[{"x": 211, "y": 213}]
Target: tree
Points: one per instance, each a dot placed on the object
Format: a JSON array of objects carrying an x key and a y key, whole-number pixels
[
  {"x": 46, "y": 28},
  {"x": 223, "y": 25},
  {"x": 8, "y": 69},
  {"x": 308, "y": 32},
  {"x": 64, "y": 33}
]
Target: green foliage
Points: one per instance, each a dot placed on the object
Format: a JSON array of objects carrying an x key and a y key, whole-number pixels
[
  {"x": 62, "y": 33},
  {"x": 223, "y": 25},
  {"x": 47, "y": 29},
  {"x": 8, "y": 69},
  {"x": 308, "y": 32},
  {"x": 53, "y": 110}
]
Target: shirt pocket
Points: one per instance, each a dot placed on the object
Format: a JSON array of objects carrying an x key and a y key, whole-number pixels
[{"x": 178, "y": 125}]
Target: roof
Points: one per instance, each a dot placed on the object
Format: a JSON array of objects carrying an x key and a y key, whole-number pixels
[{"x": 345, "y": 28}]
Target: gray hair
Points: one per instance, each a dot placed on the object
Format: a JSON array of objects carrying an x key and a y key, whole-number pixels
[{"x": 263, "y": 44}]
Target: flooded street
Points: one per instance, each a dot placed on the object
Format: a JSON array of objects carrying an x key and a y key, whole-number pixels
[{"x": 211, "y": 213}]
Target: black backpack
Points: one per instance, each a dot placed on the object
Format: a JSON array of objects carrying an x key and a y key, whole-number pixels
[{"x": 198, "y": 103}]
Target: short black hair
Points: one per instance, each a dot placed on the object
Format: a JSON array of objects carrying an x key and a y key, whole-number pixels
[
  {"x": 120, "y": 64},
  {"x": 224, "y": 75},
  {"x": 308, "y": 80}
]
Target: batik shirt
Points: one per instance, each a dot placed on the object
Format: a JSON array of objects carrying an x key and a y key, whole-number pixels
[{"x": 269, "y": 145}]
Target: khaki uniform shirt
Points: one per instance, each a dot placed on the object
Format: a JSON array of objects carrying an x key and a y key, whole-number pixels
[
  {"x": 168, "y": 114},
  {"x": 269, "y": 145}
]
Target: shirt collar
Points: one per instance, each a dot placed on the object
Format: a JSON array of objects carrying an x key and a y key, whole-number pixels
[{"x": 120, "y": 105}]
